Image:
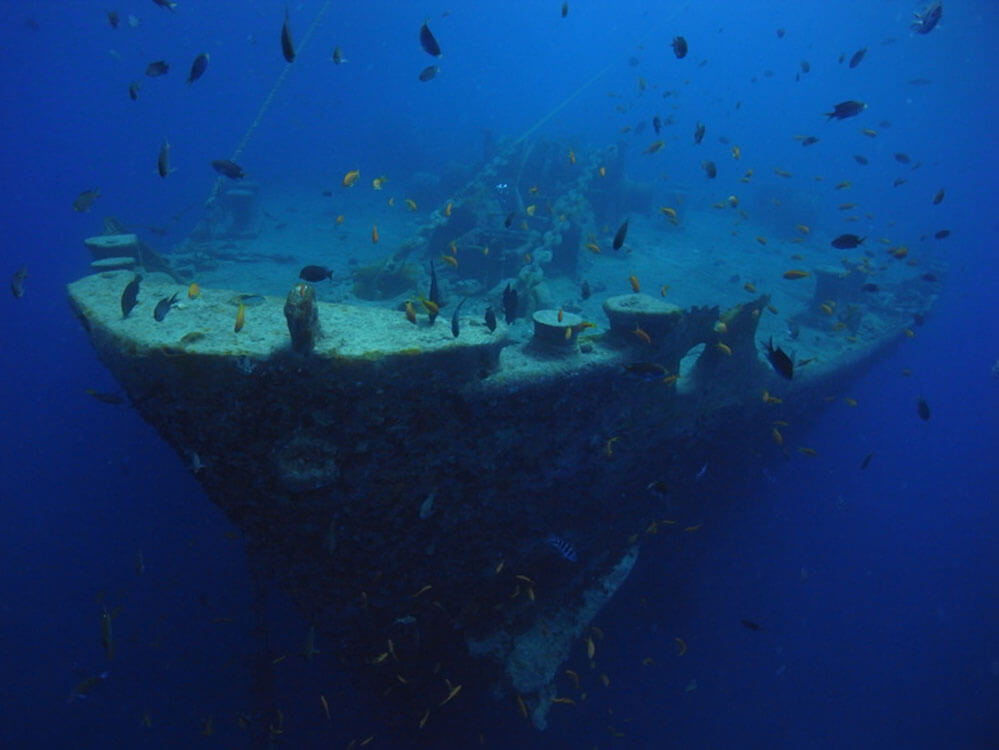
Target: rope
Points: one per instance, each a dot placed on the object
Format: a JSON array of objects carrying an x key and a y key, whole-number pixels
[{"x": 265, "y": 105}]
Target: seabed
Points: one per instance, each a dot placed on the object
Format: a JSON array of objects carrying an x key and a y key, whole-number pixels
[{"x": 401, "y": 484}]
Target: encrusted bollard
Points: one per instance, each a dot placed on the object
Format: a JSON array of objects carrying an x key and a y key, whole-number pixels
[{"x": 302, "y": 315}]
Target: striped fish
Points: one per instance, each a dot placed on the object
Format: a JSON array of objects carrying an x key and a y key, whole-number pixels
[{"x": 564, "y": 548}]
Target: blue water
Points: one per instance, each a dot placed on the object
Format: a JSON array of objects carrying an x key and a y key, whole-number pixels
[{"x": 877, "y": 590}]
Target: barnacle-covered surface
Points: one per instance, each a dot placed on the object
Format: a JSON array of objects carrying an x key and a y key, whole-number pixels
[{"x": 401, "y": 483}]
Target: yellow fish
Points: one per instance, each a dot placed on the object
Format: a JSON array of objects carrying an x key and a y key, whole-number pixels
[
  {"x": 635, "y": 287},
  {"x": 803, "y": 228},
  {"x": 736, "y": 153},
  {"x": 379, "y": 182},
  {"x": 451, "y": 260},
  {"x": 351, "y": 177},
  {"x": 374, "y": 234},
  {"x": 240, "y": 318},
  {"x": 724, "y": 348},
  {"x": 667, "y": 211},
  {"x": 603, "y": 171},
  {"x": 447, "y": 209},
  {"x": 193, "y": 291},
  {"x": 530, "y": 209},
  {"x": 340, "y": 219},
  {"x": 410, "y": 204},
  {"x": 572, "y": 156}
]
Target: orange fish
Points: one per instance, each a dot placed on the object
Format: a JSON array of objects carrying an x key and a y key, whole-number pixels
[
  {"x": 795, "y": 274},
  {"x": 633, "y": 280},
  {"x": 351, "y": 177},
  {"x": 240, "y": 318},
  {"x": 374, "y": 233},
  {"x": 560, "y": 315}
]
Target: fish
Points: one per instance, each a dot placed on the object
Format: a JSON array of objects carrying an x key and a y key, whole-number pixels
[
  {"x": 193, "y": 291},
  {"x": 938, "y": 197},
  {"x": 565, "y": 8},
  {"x": 17, "y": 281},
  {"x": 309, "y": 649},
  {"x": 163, "y": 160},
  {"x": 508, "y": 221},
  {"x": 635, "y": 287},
  {"x": 429, "y": 42},
  {"x": 240, "y": 318},
  {"x": 843, "y": 110},
  {"x": 563, "y": 547},
  {"x": 435, "y": 291},
  {"x": 433, "y": 310},
  {"x": 857, "y": 57},
  {"x": 351, "y": 177},
  {"x": 157, "y": 68},
  {"x": 510, "y": 300},
  {"x": 902, "y": 158},
  {"x": 410, "y": 204},
  {"x": 783, "y": 365},
  {"x": 428, "y": 73},
  {"x": 85, "y": 200},
  {"x": 374, "y": 234},
  {"x": 866, "y": 461},
  {"x": 699, "y": 132},
  {"x": 805, "y": 66},
  {"x": 809, "y": 140},
  {"x": 315, "y": 273},
  {"x": 942, "y": 234},
  {"x": 927, "y": 19},
  {"x": 679, "y": 46},
  {"x": 410, "y": 312},
  {"x": 85, "y": 686},
  {"x": 795, "y": 273},
  {"x": 133, "y": 90},
  {"x": 338, "y": 57},
  {"x": 847, "y": 241},
  {"x": 228, "y": 169},
  {"x": 709, "y": 169},
  {"x": 198, "y": 68},
  {"x": 923, "y": 409},
  {"x": 455, "y": 328},
  {"x": 490, "y": 319},
  {"x": 107, "y": 637},
  {"x": 654, "y": 146},
  {"x": 860, "y": 159},
  {"x": 163, "y": 307},
  {"x": 168, "y": 4},
  {"x": 643, "y": 335},
  {"x": 751, "y": 625},
  {"x": 619, "y": 235},
  {"x": 287, "y": 45},
  {"x": 130, "y": 295},
  {"x": 114, "y": 19},
  {"x": 647, "y": 370},
  {"x": 870, "y": 132}
]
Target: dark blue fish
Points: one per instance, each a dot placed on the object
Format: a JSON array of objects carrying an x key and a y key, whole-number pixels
[
  {"x": 564, "y": 548},
  {"x": 927, "y": 19},
  {"x": 428, "y": 42}
]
